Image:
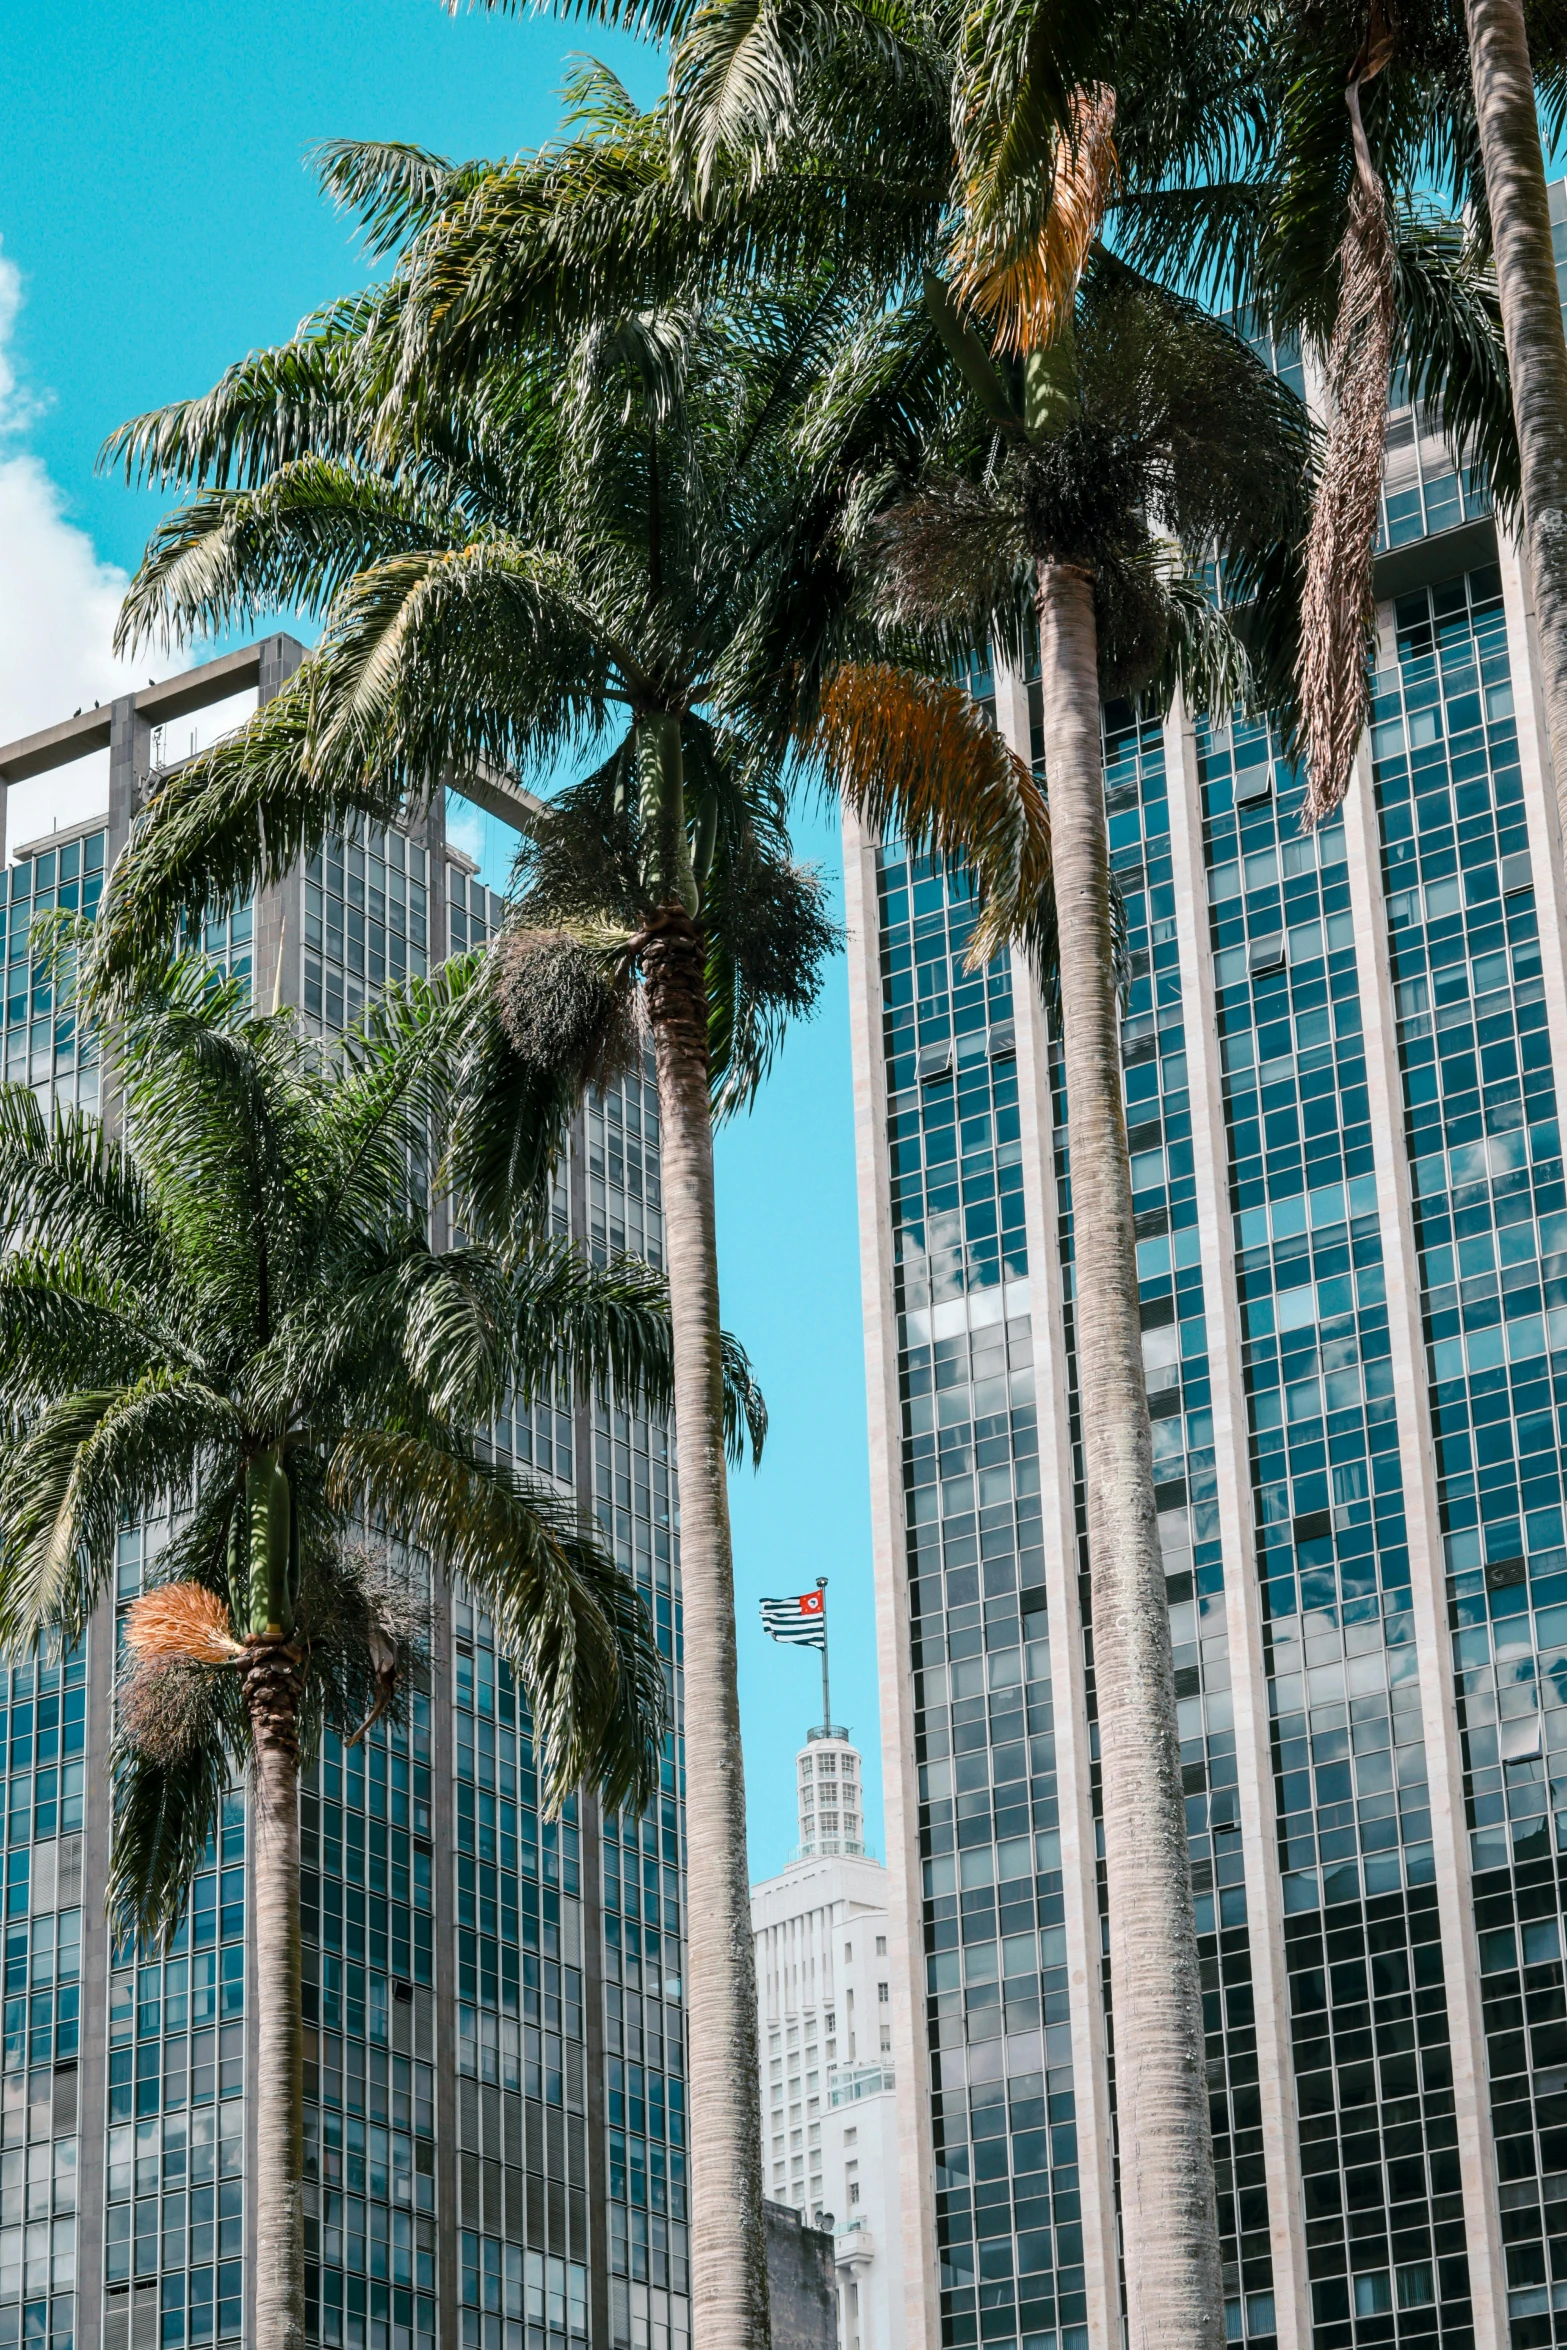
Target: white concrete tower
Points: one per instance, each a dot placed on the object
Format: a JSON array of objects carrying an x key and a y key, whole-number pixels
[
  {"x": 823, "y": 1996},
  {"x": 832, "y": 1816}
]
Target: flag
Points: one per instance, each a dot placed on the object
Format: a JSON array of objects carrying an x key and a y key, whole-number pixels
[{"x": 802, "y": 1622}]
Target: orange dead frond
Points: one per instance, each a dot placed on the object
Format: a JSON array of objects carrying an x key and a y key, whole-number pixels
[
  {"x": 1019, "y": 254},
  {"x": 917, "y": 758},
  {"x": 184, "y": 1621}
]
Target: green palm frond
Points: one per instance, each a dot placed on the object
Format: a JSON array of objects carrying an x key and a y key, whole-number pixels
[
  {"x": 1451, "y": 322},
  {"x": 509, "y": 1124},
  {"x": 60, "y": 1324},
  {"x": 578, "y": 1637},
  {"x": 66, "y": 1186},
  {"x": 299, "y": 399},
  {"x": 395, "y": 189},
  {"x": 390, "y": 1093},
  {"x": 1205, "y": 651},
  {"x": 84, "y": 1464},
  {"x": 236, "y": 817},
  {"x": 168, "y": 1801},
  {"x": 295, "y": 541}
]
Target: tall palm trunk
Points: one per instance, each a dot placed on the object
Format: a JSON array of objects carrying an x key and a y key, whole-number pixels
[
  {"x": 1532, "y": 323},
  {"x": 272, "y": 1701},
  {"x": 729, "y": 2301},
  {"x": 1169, "y": 2224}
]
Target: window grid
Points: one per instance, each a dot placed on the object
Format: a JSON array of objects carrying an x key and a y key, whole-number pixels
[
  {"x": 1384, "y": 2221},
  {"x": 1008, "y": 2214},
  {"x": 367, "y": 1924},
  {"x": 1484, "y": 1143},
  {"x": 38, "y": 1040},
  {"x": 366, "y": 920},
  {"x": 625, "y": 1210},
  {"x": 42, "y": 1740},
  {"x": 174, "y": 2227},
  {"x": 1424, "y": 489}
]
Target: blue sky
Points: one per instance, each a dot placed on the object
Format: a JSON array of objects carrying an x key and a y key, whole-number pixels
[{"x": 156, "y": 221}]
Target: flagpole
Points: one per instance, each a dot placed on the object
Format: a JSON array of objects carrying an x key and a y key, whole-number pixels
[{"x": 821, "y": 1585}]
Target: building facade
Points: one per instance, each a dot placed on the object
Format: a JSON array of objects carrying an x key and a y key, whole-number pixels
[
  {"x": 824, "y": 2001},
  {"x": 494, "y": 2067},
  {"x": 1342, "y": 1054}
]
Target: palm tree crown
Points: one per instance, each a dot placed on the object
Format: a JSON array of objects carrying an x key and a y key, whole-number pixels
[{"x": 236, "y": 1315}]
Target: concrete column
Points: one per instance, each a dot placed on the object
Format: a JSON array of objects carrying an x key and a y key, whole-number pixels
[
  {"x": 900, "y": 1793},
  {"x": 279, "y": 657},
  {"x": 592, "y": 1842},
  {"x": 1539, "y": 794},
  {"x": 277, "y": 972},
  {"x": 1242, "y": 1598},
  {"x": 1074, "y": 1753},
  {"x": 1428, "y": 1582},
  {"x": 443, "y": 1787},
  {"x": 130, "y": 755},
  {"x": 93, "y": 2076}
]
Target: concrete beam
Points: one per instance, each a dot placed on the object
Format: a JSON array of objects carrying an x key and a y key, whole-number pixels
[
  {"x": 498, "y": 796},
  {"x": 155, "y": 705}
]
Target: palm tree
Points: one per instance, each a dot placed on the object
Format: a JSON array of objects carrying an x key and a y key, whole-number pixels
[
  {"x": 1279, "y": 160},
  {"x": 1316, "y": 213},
  {"x": 235, "y": 1317},
  {"x": 1138, "y": 411},
  {"x": 612, "y": 548}
]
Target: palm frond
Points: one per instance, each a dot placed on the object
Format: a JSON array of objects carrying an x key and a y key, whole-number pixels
[
  {"x": 69, "y": 1187},
  {"x": 1338, "y": 604},
  {"x": 509, "y": 1124},
  {"x": 229, "y": 821},
  {"x": 917, "y": 760},
  {"x": 572, "y": 1625},
  {"x": 62, "y": 1327},
  {"x": 396, "y": 189},
  {"x": 1450, "y": 334},
  {"x": 295, "y": 541},
  {"x": 298, "y": 399},
  {"x": 168, "y": 1793},
  {"x": 1021, "y": 245},
  {"x": 82, "y": 1465},
  {"x": 745, "y": 1409}
]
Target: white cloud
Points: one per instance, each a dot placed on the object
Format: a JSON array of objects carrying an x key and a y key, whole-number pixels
[{"x": 58, "y": 605}]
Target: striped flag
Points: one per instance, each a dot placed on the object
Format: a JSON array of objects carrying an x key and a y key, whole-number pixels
[{"x": 802, "y": 1622}]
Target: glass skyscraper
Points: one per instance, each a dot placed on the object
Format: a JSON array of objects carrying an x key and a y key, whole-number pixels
[
  {"x": 1340, "y": 1054},
  {"x": 494, "y": 2061}
]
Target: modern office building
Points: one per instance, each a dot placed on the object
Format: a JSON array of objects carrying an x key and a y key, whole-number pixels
[
  {"x": 1342, "y": 1054},
  {"x": 824, "y": 2015},
  {"x": 494, "y": 2047}
]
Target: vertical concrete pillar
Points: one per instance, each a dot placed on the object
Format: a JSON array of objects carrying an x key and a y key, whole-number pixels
[
  {"x": 1427, "y": 1564},
  {"x": 1242, "y": 1600},
  {"x": 916, "y": 2169}
]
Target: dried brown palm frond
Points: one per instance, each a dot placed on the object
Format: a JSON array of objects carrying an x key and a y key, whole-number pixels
[
  {"x": 367, "y": 1618},
  {"x": 184, "y": 1621},
  {"x": 916, "y": 756},
  {"x": 1337, "y": 599},
  {"x": 1019, "y": 252}
]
